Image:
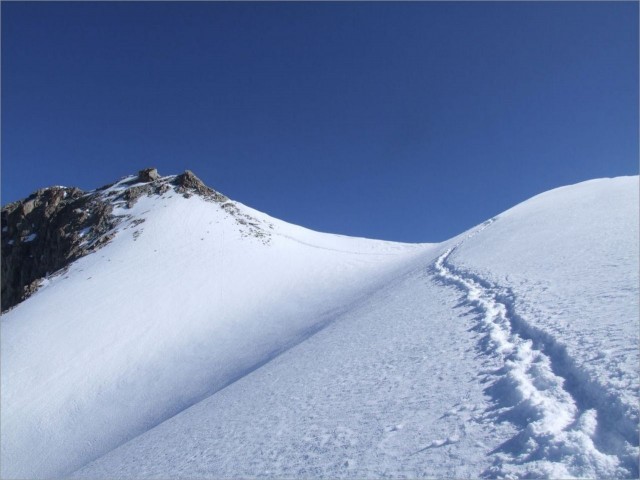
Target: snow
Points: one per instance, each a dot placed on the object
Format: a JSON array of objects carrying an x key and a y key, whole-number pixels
[
  {"x": 566, "y": 264},
  {"x": 389, "y": 389},
  {"x": 163, "y": 317},
  {"x": 194, "y": 346},
  {"x": 531, "y": 394}
]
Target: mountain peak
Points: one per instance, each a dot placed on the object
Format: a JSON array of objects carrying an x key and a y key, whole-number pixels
[{"x": 54, "y": 226}]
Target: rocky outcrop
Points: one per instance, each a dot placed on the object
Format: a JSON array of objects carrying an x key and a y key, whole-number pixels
[
  {"x": 188, "y": 184},
  {"x": 44, "y": 233},
  {"x": 148, "y": 175},
  {"x": 54, "y": 226}
]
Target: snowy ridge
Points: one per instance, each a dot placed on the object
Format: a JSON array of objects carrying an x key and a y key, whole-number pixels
[{"x": 560, "y": 435}]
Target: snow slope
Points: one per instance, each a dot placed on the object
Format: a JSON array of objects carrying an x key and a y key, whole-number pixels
[
  {"x": 195, "y": 349},
  {"x": 390, "y": 389},
  {"x": 172, "y": 310},
  {"x": 565, "y": 266}
]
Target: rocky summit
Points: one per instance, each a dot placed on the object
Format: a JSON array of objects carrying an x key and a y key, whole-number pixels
[{"x": 43, "y": 233}]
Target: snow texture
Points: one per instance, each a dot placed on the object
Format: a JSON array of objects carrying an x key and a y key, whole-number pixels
[{"x": 196, "y": 345}]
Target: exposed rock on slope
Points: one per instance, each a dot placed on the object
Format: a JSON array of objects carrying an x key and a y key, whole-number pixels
[
  {"x": 45, "y": 232},
  {"x": 187, "y": 184},
  {"x": 54, "y": 226}
]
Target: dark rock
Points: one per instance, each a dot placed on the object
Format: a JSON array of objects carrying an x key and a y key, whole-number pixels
[
  {"x": 188, "y": 184},
  {"x": 148, "y": 175},
  {"x": 46, "y": 232},
  {"x": 189, "y": 180},
  {"x": 132, "y": 194}
]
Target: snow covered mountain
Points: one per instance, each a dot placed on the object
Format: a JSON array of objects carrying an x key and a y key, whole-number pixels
[{"x": 206, "y": 339}]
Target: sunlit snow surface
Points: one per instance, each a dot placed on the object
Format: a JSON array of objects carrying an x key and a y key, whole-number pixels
[{"x": 187, "y": 348}]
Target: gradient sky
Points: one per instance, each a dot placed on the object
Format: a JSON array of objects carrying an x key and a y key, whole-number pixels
[{"x": 402, "y": 121}]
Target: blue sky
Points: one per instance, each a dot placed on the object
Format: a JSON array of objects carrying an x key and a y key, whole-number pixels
[{"x": 402, "y": 121}]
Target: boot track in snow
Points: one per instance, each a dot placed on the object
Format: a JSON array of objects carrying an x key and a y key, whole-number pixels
[{"x": 535, "y": 389}]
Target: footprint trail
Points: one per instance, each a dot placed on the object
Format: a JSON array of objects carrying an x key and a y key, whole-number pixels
[{"x": 557, "y": 435}]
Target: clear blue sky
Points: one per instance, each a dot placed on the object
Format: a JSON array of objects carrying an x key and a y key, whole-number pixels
[{"x": 403, "y": 121}]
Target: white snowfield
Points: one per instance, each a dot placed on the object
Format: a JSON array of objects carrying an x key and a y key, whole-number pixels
[{"x": 208, "y": 342}]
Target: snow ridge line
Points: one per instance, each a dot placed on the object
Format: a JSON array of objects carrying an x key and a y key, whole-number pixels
[{"x": 557, "y": 435}]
